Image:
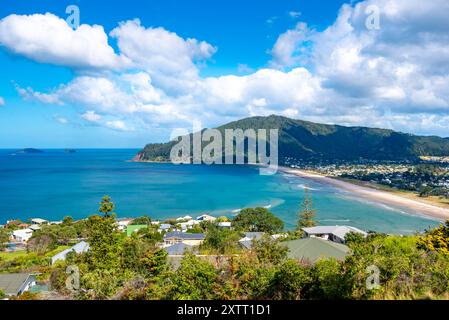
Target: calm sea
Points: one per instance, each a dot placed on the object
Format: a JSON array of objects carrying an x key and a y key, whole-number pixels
[{"x": 54, "y": 184}]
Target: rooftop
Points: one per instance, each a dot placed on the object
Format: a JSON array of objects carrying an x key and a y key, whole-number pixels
[
  {"x": 12, "y": 283},
  {"x": 184, "y": 235},
  {"x": 314, "y": 249},
  {"x": 339, "y": 231}
]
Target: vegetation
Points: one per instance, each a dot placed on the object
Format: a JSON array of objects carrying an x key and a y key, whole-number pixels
[
  {"x": 120, "y": 267},
  {"x": 258, "y": 220},
  {"x": 303, "y": 140},
  {"x": 307, "y": 213}
]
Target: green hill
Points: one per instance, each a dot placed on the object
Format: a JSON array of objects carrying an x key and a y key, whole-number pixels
[{"x": 303, "y": 140}]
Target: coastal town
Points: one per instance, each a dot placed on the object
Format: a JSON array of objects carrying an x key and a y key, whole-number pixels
[{"x": 177, "y": 237}]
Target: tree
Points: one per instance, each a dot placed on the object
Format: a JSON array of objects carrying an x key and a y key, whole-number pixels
[
  {"x": 307, "y": 213},
  {"x": 258, "y": 220},
  {"x": 436, "y": 240},
  {"x": 106, "y": 206},
  {"x": 141, "y": 220},
  {"x": 103, "y": 238},
  {"x": 195, "y": 279},
  {"x": 67, "y": 220},
  {"x": 222, "y": 240},
  {"x": 4, "y": 237},
  {"x": 154, "y": 262},
  {"x": 269, "y": 250}
]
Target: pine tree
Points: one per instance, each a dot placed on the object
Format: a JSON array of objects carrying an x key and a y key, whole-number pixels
[{"x": 307, "y": 214}]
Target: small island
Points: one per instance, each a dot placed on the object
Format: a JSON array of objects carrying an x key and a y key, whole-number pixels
[{"x": 29, "y": 151}]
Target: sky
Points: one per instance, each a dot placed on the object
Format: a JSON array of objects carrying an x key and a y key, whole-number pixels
[{"x": 131, "y": 72}]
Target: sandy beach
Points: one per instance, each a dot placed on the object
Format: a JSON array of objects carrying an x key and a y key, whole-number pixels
[{"x": 375, "y": 195}]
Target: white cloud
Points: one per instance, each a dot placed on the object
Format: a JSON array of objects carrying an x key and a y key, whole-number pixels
[
  {"x": 61, "y": 120},
  {"x": 49, "y": 39},
  {"x": 286, "y": 51},
  {"x": 294, "y": 14},
  {"x": 91, "y": 116},
  {"x": 118, "y": 125},
  {"x": 2, "y": 101},
  {"x": 395, "y": 77}
]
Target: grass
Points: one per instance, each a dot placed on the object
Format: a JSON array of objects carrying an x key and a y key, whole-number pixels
[{"x": 9, "y": 256}]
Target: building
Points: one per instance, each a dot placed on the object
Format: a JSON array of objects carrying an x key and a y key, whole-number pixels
[
  {"x": 225, "y": 224},
  {"x": 130, "y": 229},
  {"x": 311, "y": 250},
  {"x": 192, "y": 239},
  {"x": 22, "y": 235},
  {"x": 38, "y": 221},
  {"x": 78, "y": 248},
  {"x": 14, "y": 284},
  {"x": 123, "y": 223},
  {"x": 206, "y": 217},
  {"x": 247, "y": 241},
  {"x": 179, "y": 249},
  {"x": 165, "y": 227},
  {"x": 34, "y": 227},
  {"x": 333, "y": 233},
  {"x": 185, "y": 218}
]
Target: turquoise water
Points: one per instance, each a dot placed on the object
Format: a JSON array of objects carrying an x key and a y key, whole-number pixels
[{"x": 54, "y": 184}]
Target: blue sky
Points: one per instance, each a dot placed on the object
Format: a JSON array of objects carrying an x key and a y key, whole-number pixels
[{"x": 215, "y": 61}]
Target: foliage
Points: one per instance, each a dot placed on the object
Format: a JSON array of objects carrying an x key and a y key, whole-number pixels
[
  {"x": 141, "y": 220},
  {"x": 258, "y": 220},
  {"x": 221, "y": 240},
  {"x": 436, "y": 239},
  {"x": 195, "y": 279},
  {"x": 307, "y": 214}
]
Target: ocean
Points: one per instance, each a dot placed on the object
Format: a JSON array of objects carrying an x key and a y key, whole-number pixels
[{"x": 55, "y": 183}]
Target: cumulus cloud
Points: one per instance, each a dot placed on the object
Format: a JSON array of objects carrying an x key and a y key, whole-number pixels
[
  {"x": 118, "y": 125},
  {"x": 395, "y": 77},
  {"x": 47, "y": 38},
  {"x": 91, "y": 116}
]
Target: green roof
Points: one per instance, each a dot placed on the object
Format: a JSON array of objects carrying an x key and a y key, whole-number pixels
[
  {"x": 313, "y": 249},
  {"x": 134, "y": 228}
]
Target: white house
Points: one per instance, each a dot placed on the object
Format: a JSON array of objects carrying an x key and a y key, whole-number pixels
[
  {"x": 78, "y": 248},
  {"x": 206, "y": 217},
  {"x": 332, "y": 233},
  {"x": 225, "y": 224},
  {"x": 14, "y": 284},
  {"x": 22, "y": 235},
  {"x": 122, "y": 224},
  {"x": 38, "y": 221}
]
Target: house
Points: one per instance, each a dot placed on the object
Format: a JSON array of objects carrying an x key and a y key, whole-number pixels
[
  {"x": 224, "y": 224},
  {"x": 206, "y": 217},
  {"x": 34, "y": 227},
  {"x": 78, "y": 248},
  {"x": 22, "y": 235},
  {"x": 14, "y": 284},
  {"x": 38, "y": 221},
  {"x": 165, "y": 227},
  {"x": 123, "y": 223},
  {"x": 179, "y": 249},
  {"x": 192, "y": 239},
  {"x": 247, "y": 241},
  {"x": 188, "y": 224},
  {"x": 130, "y": 229},
  {"x": 185, "y": 218},
  {"x": 313, "y": 249},
  {"x": 333, "y": 233}
]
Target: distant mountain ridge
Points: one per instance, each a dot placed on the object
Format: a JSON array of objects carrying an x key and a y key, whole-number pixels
[{"x": 304, "y": 140}]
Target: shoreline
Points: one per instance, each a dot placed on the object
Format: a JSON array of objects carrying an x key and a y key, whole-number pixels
[{"x": 380, "y": 196}]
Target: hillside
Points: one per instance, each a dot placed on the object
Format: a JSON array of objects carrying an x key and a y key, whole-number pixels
[{"x": 303, "y": 140}]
